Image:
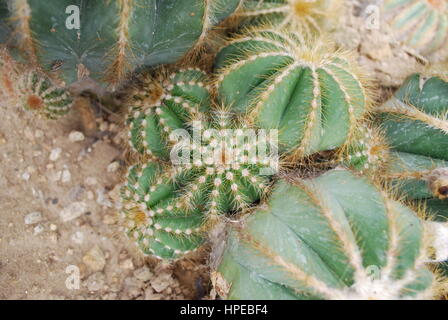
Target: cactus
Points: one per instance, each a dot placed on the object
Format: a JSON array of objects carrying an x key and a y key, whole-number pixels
[
  {"x": 310, "y": 92},
  {"x": 332, "y": 237},
  {"x": 415, "y": 125},
  {"x": 421, "y": 24},
  {"x": 308, "y": 18},
  {"x": 38, "y": 94},
  {"x": 112, "y": 36},
  {"x": 162, "y": 104}
]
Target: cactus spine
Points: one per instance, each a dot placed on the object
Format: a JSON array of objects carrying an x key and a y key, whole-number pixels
[
  {"x": 421, "y": 24},
  {"x": 332, "y": 237},
  {"x": 311, "y": 93},
  {"x": 308, "y": 18}
]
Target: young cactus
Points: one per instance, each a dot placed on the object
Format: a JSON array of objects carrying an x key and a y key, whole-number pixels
[
  {"x": 421, "y": 24},
  {"x": 415, "y": 124},
  {"x": 37, "y": 93},
  {"x": 76, "y": 38},
  {"x": 163, "y": 104},
  {"x": 332, "y": 237},
  {"x": 308, "y": 18},
  {"x": 310, "y": 92}
]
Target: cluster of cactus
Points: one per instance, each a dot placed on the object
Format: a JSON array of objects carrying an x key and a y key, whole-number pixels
[
  {"x": 421, "y": 24},
  {"x": 195, "y": 138}
]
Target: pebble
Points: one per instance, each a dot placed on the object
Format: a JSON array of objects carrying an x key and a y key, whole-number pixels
[
  {"x": 26, "y": 176},
  {"x": 78, "y": 237},
  {"x": 66, "y": 176},
  {"x": 113, "y": 167},
  {"x": 73, "y": 211},
  {"x": 76, "y": 136},
  {"x": 55, "y": 154},
  {"x": 95, "y": 282},
  {"x": 161, "y": 282},
  {"x": 95, "y": 259},
  {"x": 38, "y": 229},
  {"x": 127, "y": 264},
  {"x": 33, "y": 217},
  {"x": 53, "y": 227},
  {"x": 143, "y": 274},
  {"x": 91, "y": 181},
  {"x": 150, "y": 295}
]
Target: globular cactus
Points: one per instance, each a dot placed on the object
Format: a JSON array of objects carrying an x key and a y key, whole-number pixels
[
  {"x": 314, "y": 95},
  {"x": 336, "y": 236},
  {"x": 308, "y": 18},
  {"x": 38, "y": 93},
  {"x": 415, "y": 125},
  {"x": 76, "y": 38},
  {"x": 421, "y": 24},
  {"x": 162, "y": 104},
  {"x": 153, "y": 216}
]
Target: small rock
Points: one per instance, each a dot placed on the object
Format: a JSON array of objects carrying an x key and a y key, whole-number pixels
[
  {"x": 94, "y": 259},
  {"x": 127, "y": 264},
  {"x": 143, "y": 274},
  {"x": 109, "y": 219},
  {"x": 66, "y": 176},
  {"x": 33, "y": 217},
  {"x": 26, "y": 176},
  {"x": 55, "y": 154},
  {"x": 101, "y": 198},
  {"x": 76, "y": 136},
  {"x": 161, "y": 282},
  {"x": 55, "y": 175},
  {"x": 78, "y": 237},
  {"x": 150, "y": 295},
  {"x": 95, "y": 282},
  {"x": 76, "y": 193},
  {"x": 53, "y": 227},
  {"x": 73, "y": 211},
  {"x": 38, "y": 229},
  {"x": 90, "y": 195},
  {"x": 2, "y": 138},
  {"x": 113, "y": 167}
]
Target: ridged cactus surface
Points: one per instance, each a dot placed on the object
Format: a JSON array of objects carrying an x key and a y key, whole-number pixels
[
  {"x": 332, "y": 237},
  {"x": 415, "y": 124},
  {"x": 163, "y": 104},
  {"x": 113, "y": 36},
  {"x": 311, "y": 93},
  {"x": 421, "y": 24}
]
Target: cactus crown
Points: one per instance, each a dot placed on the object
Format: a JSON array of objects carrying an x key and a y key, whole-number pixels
[
  {"x": 351, "y": 241},
  {"x": 312, "y": 93}
]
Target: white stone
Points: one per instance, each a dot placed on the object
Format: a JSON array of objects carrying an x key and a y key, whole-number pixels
[
  {"x": 33, "y": 217},
  {"x": 73, "y": 211},
  {"x": 112, "y": 167},
  {"x": 76, "y": 136},
  {"x": 66, "y": 176},
  {"x": 95, "y": 259},
  {"x": 55, "y": 154}
]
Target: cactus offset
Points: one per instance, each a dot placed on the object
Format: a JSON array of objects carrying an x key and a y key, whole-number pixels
[
  {"x": 310, "y": 92},
  {"x": 331, "y": 237},
  {"x": 163, "y": 104},
  {"x": 421, "y": 24}
]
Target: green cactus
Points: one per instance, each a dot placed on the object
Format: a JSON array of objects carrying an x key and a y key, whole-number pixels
[
  {"x": 332, "y": 237},
  {"x": 113, "y": 36},
  {"x": 415, "y": 125},
  {"x": 163, "y": 104},
  {"x": 311, "y": 93},
  {"x": 37, "y": 93},
  {"x": 421, "y": 24},
  {"x": 308, "y": 18}
]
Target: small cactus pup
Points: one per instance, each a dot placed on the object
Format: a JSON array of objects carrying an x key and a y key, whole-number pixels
[
  {"x": 215, "y": 169},
  {"x": 161, "y": 104},
  {"x": 37, "y": 93},
  {"x": 336, "y": 236},
  {"x": 106, "y": 39},
  {"x": 415, "y": 125},
  {"x": 153, "y": 217},
  {"x": 306, "y": 17},
  {"x": 421, "y": 24},
  {"x": 313, "y": 94}
]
